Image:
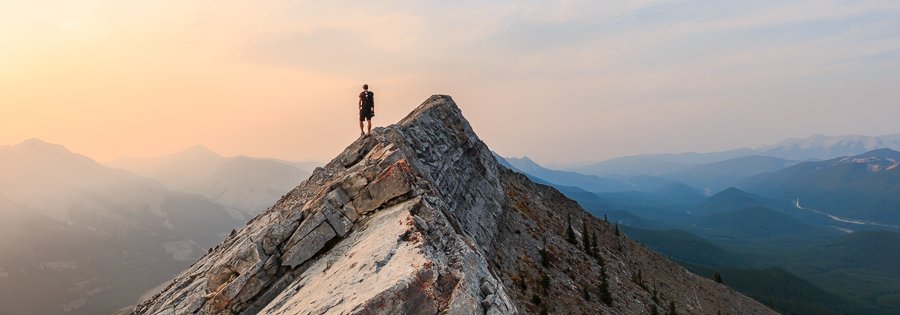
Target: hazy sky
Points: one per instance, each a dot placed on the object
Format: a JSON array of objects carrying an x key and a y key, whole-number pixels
[{"x": 559, "y": 81}]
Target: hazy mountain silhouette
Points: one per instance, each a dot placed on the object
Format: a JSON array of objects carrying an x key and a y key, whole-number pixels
[
  {"x": 587, "y": 182},
  {"x": 733, "y": 199},
  {"x": 719, "y": 175},
  {"x": 821, "y": 147},
  {"x": 816, "y": 147},
  {"x": 632, "y": 165},
  {"x": 84, "y": 238},
  {"x": 247, "y": 184}
]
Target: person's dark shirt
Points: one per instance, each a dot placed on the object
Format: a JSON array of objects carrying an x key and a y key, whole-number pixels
[{"x": 367, "y": 99}]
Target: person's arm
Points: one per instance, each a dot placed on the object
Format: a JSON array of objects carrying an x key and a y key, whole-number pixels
[
  {"x": 373, "y": 104},
  {"x": 360, "y": 101}
]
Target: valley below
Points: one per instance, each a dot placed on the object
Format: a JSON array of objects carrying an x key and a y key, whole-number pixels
[{"x": 813, "y": 237}]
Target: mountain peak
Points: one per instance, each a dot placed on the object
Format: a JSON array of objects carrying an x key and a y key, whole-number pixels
[
  {"x": 874, "y": 161},
  {"x": 525, "y": 158},
  {"x": 35, "y": 144},
  {"x": 198, "y": 151},
  {"x": 730, "y": 191},
  {"x": 42, "y": 154},
  {"x": 884, "y": 153},
  {"x": 436, "y": 106},
  {"x": 419, "y": 217},
  {"x": 526, "y": 162},
  {"x": 820, "y": 146}
]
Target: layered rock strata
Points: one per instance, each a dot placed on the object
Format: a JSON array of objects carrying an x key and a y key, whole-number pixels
[{"x": 419, "y": 218}]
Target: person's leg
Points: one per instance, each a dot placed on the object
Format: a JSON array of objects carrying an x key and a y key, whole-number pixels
[
  {"x": 361, "y": 126},
  {"x": 369, "y": 120}
]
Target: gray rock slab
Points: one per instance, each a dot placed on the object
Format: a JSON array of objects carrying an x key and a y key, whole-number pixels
[{"x": 308, "y": 246}]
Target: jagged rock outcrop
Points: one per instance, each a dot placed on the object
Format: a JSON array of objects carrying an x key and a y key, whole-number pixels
[{"x": 418, "y": 218}]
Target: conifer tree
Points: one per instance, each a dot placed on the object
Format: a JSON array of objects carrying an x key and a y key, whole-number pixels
[
  {"x": 605, "y": 295},
  {"x": 545, "y": 256},
  {"x": 545, "y": 283},
  {"x": 536, "y": 300},
  {"x": 655, "y": 295},
  {"x": 672, "y": 308},
  {"x": 585, "y": 238}
]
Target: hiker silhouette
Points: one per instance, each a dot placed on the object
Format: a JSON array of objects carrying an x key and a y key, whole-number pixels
[{"x": 366, "y": 109}]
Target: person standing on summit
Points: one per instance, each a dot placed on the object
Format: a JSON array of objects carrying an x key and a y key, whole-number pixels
[{"x": 366, "y": 108}]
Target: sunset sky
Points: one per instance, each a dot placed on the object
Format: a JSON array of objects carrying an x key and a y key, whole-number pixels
[{"x": 559, "y": 81}]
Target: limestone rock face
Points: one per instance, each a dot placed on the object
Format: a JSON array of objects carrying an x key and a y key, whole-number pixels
[{"x": 419, "y": 218}]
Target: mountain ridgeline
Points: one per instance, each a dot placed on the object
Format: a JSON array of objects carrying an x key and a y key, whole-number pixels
[
  {"x": 813, "y": 148},
  {"x": 864, "y": 187},
  {"x": 420, "y": 218},
  {"x": 246, "y": 185}
]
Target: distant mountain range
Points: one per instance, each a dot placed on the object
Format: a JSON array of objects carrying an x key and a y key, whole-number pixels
[
  {"x": 823, "y": 147},
  {"x": 816, "y": 147},
  {"x": 655, "y": 164},
  {"x": 90, "y": 236},
  {"x": 805, "y": 235},
  {"x": 587, "y": 182},
  {"x": 94, "y": 237},
  {"x": 854, "y": 193},
  {"x": 246, "y": 184},
  {"x": 723, "y": 174},
  {"x": 864, "y": 188},
  {"x": 705, "y": 179}
]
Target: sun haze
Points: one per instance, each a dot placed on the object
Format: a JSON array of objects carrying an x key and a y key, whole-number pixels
[{"x": 557, "y": 80}]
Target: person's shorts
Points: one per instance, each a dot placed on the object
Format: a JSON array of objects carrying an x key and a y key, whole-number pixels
[{"x": 365, "y": 114}]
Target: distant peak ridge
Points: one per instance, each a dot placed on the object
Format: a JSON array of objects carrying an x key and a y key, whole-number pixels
[
  {"x": 198, "y": 151},
  {"x": 38, "y": 144},
  {"x": 875, "y": 160},
  {"x": 35, "y": 149},
  {"x": 885, "y": 153},
  {"x": 420, "y": 218},
  {"x": 200, "y": 148}
]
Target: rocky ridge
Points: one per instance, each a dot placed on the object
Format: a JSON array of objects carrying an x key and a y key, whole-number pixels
[{"x": 419, "y": 218}]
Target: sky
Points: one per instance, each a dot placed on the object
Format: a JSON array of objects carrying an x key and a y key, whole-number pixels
[{"x": 558, "y": 81}]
